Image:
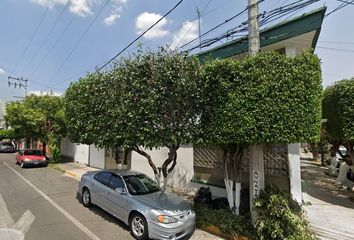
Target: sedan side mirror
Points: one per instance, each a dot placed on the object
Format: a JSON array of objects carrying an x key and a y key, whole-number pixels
[{"x": 120, "y": 190}]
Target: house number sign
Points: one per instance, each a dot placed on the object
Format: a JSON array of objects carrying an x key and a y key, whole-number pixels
[{"x": 255, "y": 183}]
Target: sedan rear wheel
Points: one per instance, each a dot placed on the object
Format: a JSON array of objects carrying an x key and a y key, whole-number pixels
[
  {"x": 86, "y": 197},
  {"x": 138, "y": 227}
]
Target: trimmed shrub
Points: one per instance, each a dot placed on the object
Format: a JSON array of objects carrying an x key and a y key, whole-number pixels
[{"x": 280, "y": 217}]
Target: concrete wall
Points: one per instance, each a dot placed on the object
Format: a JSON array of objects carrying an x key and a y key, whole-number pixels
[
  {"x": 68, "y": 148},
  {"x": 181, "y": 175},
  {"x": 77, "y": 152},
  {"x": 97, "y": 158}
]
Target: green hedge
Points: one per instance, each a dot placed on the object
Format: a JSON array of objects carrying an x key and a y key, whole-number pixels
[
  {"x": 338, "y": 109},
  {"x": 269, "y": 98}
]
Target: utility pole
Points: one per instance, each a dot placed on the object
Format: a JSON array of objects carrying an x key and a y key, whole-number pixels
[
  {"x": 19, "y": 82},
  {"x": 256, "y": 151},
  {"x": 253, "y": 27},
  {"x": 200, "y": 39}
]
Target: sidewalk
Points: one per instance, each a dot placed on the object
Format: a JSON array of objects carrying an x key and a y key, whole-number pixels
[
  {"x": 73, "y": 169},
  {"x": 331, "y": 209},
  {"x": 76, "y": 170}
]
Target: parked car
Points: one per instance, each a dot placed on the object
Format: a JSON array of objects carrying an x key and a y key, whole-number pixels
[
  {"x": 7, "y": 147},
  {"x": 30, "y": 157},
  {"x": 136, "y": 199}
]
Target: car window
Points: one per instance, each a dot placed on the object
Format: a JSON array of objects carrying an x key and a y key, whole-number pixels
[
  {"x": 104, "y": 178},
  {"x": 116, "y": 182},
  {"x": 33, "y": 152},
  {"x": 140, "y": 184}
]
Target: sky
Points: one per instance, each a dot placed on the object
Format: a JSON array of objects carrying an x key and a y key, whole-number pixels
[{"x": 54, "y": 42}]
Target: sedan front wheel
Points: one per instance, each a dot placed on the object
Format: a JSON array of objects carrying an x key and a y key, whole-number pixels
[{"x": 138, "y": 227}]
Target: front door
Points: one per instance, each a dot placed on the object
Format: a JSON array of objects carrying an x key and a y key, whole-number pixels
[{"x": 117, "y": 200}]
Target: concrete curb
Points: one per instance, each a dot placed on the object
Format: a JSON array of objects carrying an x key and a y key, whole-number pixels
[{"x": 71, "y": 173}]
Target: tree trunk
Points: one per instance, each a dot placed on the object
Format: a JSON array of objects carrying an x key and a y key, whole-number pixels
[
  {"x": 28, "y": 143},
  {"x": 314, "y": 150},
  {"x": 233, "y": 173},
  {"x": 116, "y": 154},
  {"x": 44, "y": 148},
  {"x": 171, "y": 160}
]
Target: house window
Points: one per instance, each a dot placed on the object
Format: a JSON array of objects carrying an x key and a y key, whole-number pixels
[{"x": 209, "y": 163}]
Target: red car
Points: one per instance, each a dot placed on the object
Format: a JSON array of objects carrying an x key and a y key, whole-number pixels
[{"x": 30, "y": 158}]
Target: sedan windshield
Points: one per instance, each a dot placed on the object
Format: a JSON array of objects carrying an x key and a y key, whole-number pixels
[
  {"x": 140, "y": 184},
  {"x": 33, "y": 152}
]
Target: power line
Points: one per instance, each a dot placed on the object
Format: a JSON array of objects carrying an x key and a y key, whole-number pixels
[
  {"x": 79, "y": 41},
  {"x": 58, "y": 39},
  {"x": 340, "y": 6},
  {"x": 217, "y": 26},
  {"x": 47, "y": 36},
  {"x": 136, "y": 39},
  {"x": 199, "y": 16},
  {"x": 337, "y": 49},
  {"x": 153, "y": 39},
  {"x": 265, "y": 17},
  {"x": 343, "y": 1},
  {"x": 32, "y": 37}
]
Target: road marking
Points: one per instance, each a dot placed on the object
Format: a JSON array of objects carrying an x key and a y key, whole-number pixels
[
  {"x": 10, "y": 230},
  {"x": 6, "y": 220},
  {"x": 24, "y": 223},
  {"x": 60, "y": 209}
]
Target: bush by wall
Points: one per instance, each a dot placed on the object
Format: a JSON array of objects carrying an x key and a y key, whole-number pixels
[{"x": 280, "y": 217}]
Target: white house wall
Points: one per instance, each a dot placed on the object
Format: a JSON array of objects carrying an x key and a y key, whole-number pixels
[
  {"x": 97, "y": 158},
  {"x": 77, "y": 152},
  {"x": 181, "y": 175}
]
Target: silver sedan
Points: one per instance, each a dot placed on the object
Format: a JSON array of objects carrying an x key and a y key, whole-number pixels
[{"x": 136, "y": 199}]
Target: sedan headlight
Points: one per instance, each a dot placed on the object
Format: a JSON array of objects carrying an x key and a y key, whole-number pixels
[
  {"x": 26, "y": 159},
  {"x": 166, "y": 219},
  {"x": 43, "y": 159}
]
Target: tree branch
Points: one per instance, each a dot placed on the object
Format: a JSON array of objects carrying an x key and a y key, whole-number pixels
[
  {"x": 169, "y": 160},
  {"x": 148, "y": 157}
]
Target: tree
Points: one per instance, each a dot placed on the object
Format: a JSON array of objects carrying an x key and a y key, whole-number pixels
[
  {"x": 149, "y": 100},
  {"x": 38, "y": 117},
  {"x": 265, "y": 99},
  {"x": 24, "y": 121},
  {"x": 338, "y": 102}
]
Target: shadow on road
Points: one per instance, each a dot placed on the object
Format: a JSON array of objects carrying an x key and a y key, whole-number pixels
[{"x": 105, "y": 215}]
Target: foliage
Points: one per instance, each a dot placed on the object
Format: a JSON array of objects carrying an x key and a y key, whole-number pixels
[
  {"x": 149, "y": 100},
  {"x": 338, "y": 102},
  {"x": 7, "y": 134},
  {"x": 267, "y": 98},
  {"x": 338, "y": 109},
  {"x": 23, "y": 121},
  {"x": 224, "y": 219},
  {"x": 280, "y": 217},
  {"x": 37, "y": 117}
]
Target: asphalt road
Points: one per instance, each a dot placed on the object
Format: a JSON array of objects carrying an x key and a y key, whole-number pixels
[{"x": 42, "y": 204}]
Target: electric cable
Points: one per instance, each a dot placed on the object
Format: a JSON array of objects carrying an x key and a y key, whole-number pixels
[
  {"x": 32, "y": 37},
  {"x": 141, "y": 35}
]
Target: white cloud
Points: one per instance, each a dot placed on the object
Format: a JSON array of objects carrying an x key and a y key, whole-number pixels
[
  {"x": 188, "y": 32},
  {"x": 81, "y": 8},
  {"x": 117, "y": 8},
  {"x": 2, "y": 71},
  {"x": 42, "y": 93},
  {"x": 111, "y": 19},
  {"x": 145, "y": 20}
]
